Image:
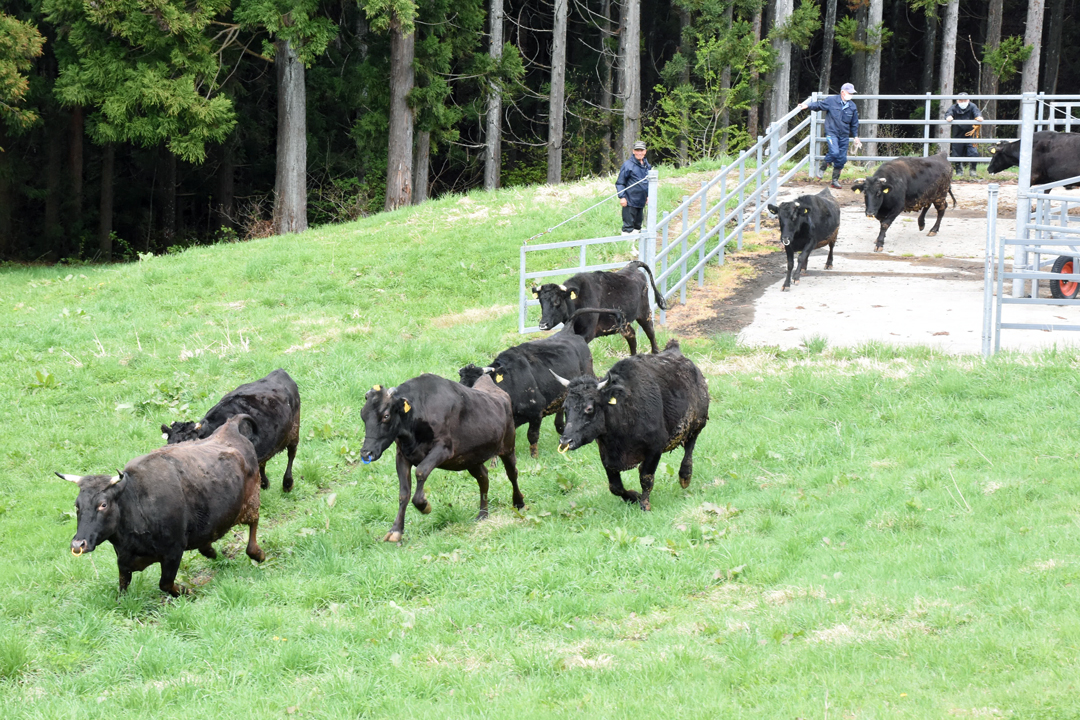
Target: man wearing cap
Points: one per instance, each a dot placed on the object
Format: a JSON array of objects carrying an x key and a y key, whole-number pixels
[
  {"x": 633, "y": 188},
  {"x": 841, "y": 123},
  {"x": 963, "y": 109}
]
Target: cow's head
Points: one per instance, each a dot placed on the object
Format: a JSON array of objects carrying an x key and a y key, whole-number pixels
[
  {"x": 1003, "y": 156},
  {"x": 795, "y": 219},
  {"x": 557, "y": 304},
  {"x": 586, "y": 406},
  {"x": 876, "y": 190},
  {"x": 469, "y": 374},
  {"x": 182, "y": 431},
  {"x": 384, "y": 414},
  {"x": 96, "y": 509}
]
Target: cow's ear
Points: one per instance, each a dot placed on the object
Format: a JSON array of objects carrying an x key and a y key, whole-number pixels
[
  {"x": 773, "y": 209},
  {"x": 857, "y": 187},
  {"x": 885, "y": 190},
  {"x": 402, "y": 405},
  {"x": 536, "y": 292},
  {"x": 573, "y": 295},
  {"x": 993, "y": 150},
  {"x": 247, "y": 427}
]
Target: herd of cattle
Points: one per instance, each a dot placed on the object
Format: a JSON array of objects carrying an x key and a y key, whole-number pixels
[
  {"x": 909, "y": 184},
  {"x": 207, "y": 478}
]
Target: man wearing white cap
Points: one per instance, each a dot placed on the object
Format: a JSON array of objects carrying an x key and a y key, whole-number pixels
[
  {"x": 633, "y": 191},
  {"x": 964, "y": 109},
  {"x": 841, "y": 123}
]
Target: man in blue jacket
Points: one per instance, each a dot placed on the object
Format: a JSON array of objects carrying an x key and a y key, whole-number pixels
[
  {"x": 633, "y": 195},
  {"x": 841, "y": 123}
]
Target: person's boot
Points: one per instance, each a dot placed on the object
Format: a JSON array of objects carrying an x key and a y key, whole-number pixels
[
  {"x": 835, "y": 179},
  {"x": 822, "y": 167}
]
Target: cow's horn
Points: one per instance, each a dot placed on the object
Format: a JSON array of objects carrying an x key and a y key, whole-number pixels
[
  {"x": 198, "y": 426},
  {"x": 562, "y": 381},
  {"x": 70, "y": 478},
  {"x": 118, "y": 478},
  {"x": 600, "y": 385},
  {"x": 563, "y": 288},
  {"x": 488, "y": 370}
]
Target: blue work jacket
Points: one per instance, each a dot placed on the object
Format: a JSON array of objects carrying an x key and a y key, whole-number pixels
[
  {"x": 630, "y": 172},
  {"x": 841, "y": 119}
]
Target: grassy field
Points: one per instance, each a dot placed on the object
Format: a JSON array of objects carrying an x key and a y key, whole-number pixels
[{"x": 870, "y": 533}]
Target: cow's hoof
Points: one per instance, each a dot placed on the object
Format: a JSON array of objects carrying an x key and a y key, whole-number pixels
[
  {"x": 392, "y": 537},
  {"x": 286, "y": 484},
  {"x": 795, "y": 281},
  {"x": 785, "y": 288},
  {"x": 427, "y": 508},
  {"x": 684, "y": 482},
  {"x": 534, "y": 451},
  {"x": 930, "y": 234},
  {"x": 482, "y": 515},
  {"x": 258, "y": 556},
  {"x": 829, "y": 266},
  {"x": 879, "y": 248},
  {"x": 264, "y": 483},
  {"x": 644, "y": 504}
]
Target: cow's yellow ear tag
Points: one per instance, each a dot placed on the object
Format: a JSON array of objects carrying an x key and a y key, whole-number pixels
[
  {"x": 498, "y": 378},
  {"x": 886, "y": 190},
  {"x": 857, "y": 191},
  {"x": 407, "y": 406},
  {"x": 377, "y": 388},
  {"x": 573, "y": 295},
  {"x": 612, "y": 402}
]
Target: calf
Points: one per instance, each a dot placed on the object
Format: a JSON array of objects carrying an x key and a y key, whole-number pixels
[
  {"x": 810, "y": 222},
  {"x": 1054, "y": 156},
  {"x": 274, "y": 406},
  {"x": 625, "y": 289},
  {"x": 907, "y": 183},
  {"x": 522, "y": 371},
  {"x": 647, "y": 405},
  {"x": 177, "y": 498},
  {"x": 438, "y": 423}
]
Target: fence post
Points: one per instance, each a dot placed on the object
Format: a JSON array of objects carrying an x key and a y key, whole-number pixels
[
  {"x": 647, "y": 251},
  {"x": 521, "y": 292},
  {"x": 988, "y": 269},
  {"x": 682, "y": 247},
  {"x": 757, "y": 185},
  {"x": 723, "y": 221},
  {"x": 701, "y": 235},
  {"x": 774, "y": 162},
  {"x": 926, "y": 129},
  {"x": 742, "y": 177},
  {"x": 1023, "y": 187},
  {"x": 663, "y": 246},
  {"x": 812, "y": 148}
]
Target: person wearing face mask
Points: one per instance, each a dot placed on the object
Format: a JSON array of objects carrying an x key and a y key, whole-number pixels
[
  {"x": 963, "y": 109},
  {"x": 841, "y": 123}
]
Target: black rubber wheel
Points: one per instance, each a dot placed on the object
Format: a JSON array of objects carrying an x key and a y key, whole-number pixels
[{"x": 1064, "y": 289}]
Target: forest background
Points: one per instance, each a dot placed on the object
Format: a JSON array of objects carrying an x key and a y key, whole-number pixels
[{"x": 131, "y": 126}]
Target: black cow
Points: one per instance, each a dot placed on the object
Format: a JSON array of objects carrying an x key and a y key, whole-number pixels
[
  {"x": 810, "y": 222},
  {"x": 647, "y": 405},
  {"x": 177, "y": 498},
  {"x": 438, "y": 423},
  {"x": 273, "y": 404},
  {"x": 624, "y": 289},
  {"x": 908, "y": 183},
  {"x": 522, "y": 371},
  {"x": 1054, "y": 156}
]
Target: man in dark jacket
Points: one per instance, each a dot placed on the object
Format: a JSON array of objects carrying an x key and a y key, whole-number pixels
[
  {"x": 964, "y": 109},
  {"x": 633, "y": 189},
  {"x": 841, "y": 123}
]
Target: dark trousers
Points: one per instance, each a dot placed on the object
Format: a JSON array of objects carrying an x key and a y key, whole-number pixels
[
  {"x": 631, "y": 218},
  {"x": 837, "y": 153},
  {"x": 964, "y": 150}
]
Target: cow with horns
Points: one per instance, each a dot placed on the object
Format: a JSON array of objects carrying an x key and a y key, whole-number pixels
[
  {"x": 647, "y": 405},
  {"x": 808, "y": 223}
]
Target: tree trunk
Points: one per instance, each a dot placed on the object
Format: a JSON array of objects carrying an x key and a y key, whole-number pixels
[
  {"x": 630, "y": 70},
  {"x": 493, "y": 152},
  {"x": 557, "y": 95},
  {"x": 226, "y": 183},
  {"x": 752, "y": 113},
  {"x": 168, "y": 202},
  {"x": 290, "y": 180},
  {"x": 988, "y": 80},
  {"x": 606, "y": 94},
  {"x": 105, "y": 216},
  {"x": 54, "y": 170},
  {"x": 7, "y": 204},
  {"x": 948, "y": 63},
  {"x": 725, "y": 79},
  {"x": 423, "y": 161},
  {"x": 1053, "y": 46},
  {"x": 929, "y": 50},
  {"x": 782, "y": 74},
  {"x": 873, "y": 74},
  {"x": 75, "y": 152},
  {"x": 399, "y": 160},
  {"x": 827, "y": 47},
  {"x": 858, "y": 60},
  {"x": 1029, "y": 79}
]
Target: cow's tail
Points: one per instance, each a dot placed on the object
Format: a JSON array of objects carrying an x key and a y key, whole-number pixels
[
  {"x": 620, "y": 318},
  {"x": 656, "y": 293},
  {"x": 953, "y": 198}
]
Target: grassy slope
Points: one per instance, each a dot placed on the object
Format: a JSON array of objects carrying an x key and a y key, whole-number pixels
[{"x": 868, "y": 533}]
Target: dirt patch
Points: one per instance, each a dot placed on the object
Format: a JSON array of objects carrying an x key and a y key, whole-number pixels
[{"x": 729, "y": 307}]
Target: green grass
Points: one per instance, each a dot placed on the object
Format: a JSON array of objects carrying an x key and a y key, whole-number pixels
[{"x": 870, "y": 533}]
